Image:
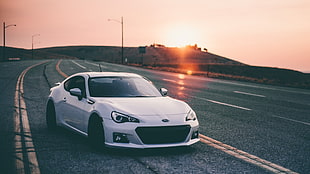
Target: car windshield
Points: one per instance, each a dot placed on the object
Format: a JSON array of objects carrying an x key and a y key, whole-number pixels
[{"x": 122, "y": 87}]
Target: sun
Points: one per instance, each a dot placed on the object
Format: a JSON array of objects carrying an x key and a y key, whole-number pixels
[{"x": 180, "y": 36}]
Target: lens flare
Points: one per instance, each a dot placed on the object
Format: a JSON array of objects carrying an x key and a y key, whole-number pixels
[
  {"x": 181, "y": 76},
  {"x": 189, "y": 72}
]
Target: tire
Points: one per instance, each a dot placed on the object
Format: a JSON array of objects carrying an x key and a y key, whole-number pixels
[
  {"x": 96, "y": 133},
  {"x": 51, "y": 116}
]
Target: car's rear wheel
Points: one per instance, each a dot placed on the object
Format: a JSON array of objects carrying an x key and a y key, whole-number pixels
[
  {"x": 96, "y": 133},
  {"x": 51, "y": 116}
]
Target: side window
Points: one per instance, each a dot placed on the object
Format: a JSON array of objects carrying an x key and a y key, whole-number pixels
[
  {"x": 76, "y": 82},
  {"x": 67, "y": 85}
]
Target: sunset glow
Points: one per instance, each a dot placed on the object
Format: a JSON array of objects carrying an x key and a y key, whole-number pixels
[
  {"x": 181, "y": 36},
  {"x": 189, "y": 72},
  {"x": 262, "y": 33}
]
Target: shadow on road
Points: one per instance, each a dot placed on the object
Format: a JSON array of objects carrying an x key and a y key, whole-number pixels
[{"x": 80, "y": 143}]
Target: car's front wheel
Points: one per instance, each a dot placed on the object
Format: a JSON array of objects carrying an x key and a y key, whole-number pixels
[
  {"x": 96, "y": 133},
  {"x": 51, "y": 116}
]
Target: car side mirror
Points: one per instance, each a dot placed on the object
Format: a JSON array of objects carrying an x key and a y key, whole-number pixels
[
  {"x": 76, "y": 92},
  {"x": 57, "y": 84},
  {"x": 163, "y": 91}
]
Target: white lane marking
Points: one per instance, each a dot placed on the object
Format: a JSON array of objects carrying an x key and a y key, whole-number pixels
[
  {"x": 239, "y": 107},
  {"x": 79, "y": 64},
  {"x": 244, "y": 155},
  {"x": 97, "y": 65},
  {"x": 308, "y": 124},
  {"x": 169, "y": 80},
  {"x": 221, "y": 103},
  {"x": 246, "y": 93},
  {"x": 26, "y": 158},
  {"x": 265, "y": 86},
  {"x": 213, "y": 101}
]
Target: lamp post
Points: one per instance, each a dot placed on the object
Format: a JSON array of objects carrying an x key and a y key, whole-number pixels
[
  {"x": 5, "y": 27},
  {"x": 122, "y": 24},
  {"x": 32, "y": 44}
]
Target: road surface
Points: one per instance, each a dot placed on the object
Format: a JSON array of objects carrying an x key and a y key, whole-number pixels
[{"x": 244, "y": 127}]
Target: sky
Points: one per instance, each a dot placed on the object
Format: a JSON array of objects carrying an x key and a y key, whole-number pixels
[{"x": 273, "y": 33}]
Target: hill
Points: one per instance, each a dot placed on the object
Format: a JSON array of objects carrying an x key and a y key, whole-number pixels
[
  {"x": 152, "y": 56},
  {"x": 27, "y": 54},
  {"x": 184, "y": 60}
]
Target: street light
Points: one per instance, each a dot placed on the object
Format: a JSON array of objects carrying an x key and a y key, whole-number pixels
[
  {"x": 32, "y": 44},
  {"x": 122, "y": 23},
  {"x": 5, "y": 27}
]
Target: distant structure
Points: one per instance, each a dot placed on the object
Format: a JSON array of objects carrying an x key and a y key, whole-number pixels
[{"x": 155, "y": 45}]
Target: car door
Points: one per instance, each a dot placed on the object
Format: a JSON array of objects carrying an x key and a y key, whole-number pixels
[{"x": 75, "y": 108}]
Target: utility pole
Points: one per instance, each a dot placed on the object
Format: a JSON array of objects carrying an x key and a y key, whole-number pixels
[
  {"x": 122, "y": 22},
  {"x": 3, "y": 48},
  {"x": 32, "y": 44},
  {"x": 5, "y": 27},
  {"x": 122, "y": 25}
]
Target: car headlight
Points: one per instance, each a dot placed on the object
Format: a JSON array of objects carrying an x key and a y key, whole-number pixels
[
  {"x": 191, "y": 115},
  {"x": 122, "y": 118}
]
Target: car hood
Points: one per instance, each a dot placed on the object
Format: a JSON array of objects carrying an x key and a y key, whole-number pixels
[{"x": 147, "y": 106}]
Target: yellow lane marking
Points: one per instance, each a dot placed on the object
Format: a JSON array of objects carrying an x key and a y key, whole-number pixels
[
  {"x": 58, "y": 69},
  {"x": 25, "y": 155},
  {"x": 245, "y": 156}
]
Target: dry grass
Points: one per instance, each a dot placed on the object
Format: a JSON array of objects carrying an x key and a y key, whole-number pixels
[{"x": 264, "y": 75}]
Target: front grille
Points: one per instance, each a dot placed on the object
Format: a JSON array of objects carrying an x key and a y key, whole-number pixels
[{"x": 163, "y": 135}]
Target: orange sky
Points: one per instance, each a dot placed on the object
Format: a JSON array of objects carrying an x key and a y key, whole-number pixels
[{"x": 273, "y": 33}]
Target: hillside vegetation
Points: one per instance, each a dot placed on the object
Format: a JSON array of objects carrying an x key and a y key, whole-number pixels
[{"x": 189, "y": 60}]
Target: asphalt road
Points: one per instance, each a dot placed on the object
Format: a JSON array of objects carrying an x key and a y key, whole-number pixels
[{"x": 269, "y": 122}]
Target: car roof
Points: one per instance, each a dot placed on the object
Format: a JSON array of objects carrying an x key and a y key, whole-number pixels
[{"x": 108, "y": 74}]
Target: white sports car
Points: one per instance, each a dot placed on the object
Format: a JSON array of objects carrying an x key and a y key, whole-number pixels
[{"x": 120, "y": 110}]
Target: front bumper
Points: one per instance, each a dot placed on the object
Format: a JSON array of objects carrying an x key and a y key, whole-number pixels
[{"x": 131, "y": 135}]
